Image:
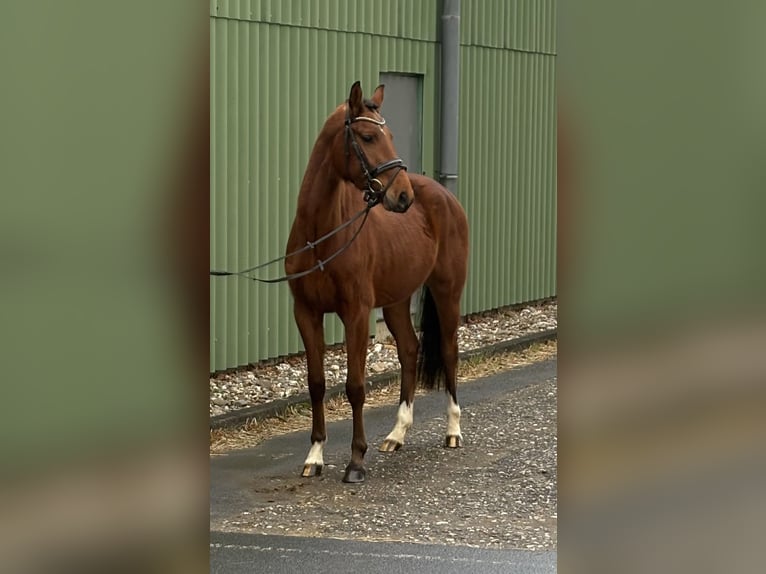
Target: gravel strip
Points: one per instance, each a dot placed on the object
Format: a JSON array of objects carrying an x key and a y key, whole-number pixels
[
  {"x": 263, "y": 383},
  {"x": 497, "y": 492}
]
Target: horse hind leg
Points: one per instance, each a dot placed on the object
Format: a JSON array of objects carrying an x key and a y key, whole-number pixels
[
  {"x": 441, "y": 317},
  {"x": 449, "y": 316},
  {"x": 312, "y": 332},
  {"x": 454, "y": 436},
  {"x": 398, "y": 320}
]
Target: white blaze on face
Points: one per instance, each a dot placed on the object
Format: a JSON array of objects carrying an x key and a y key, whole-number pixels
[
  {"x": 403, "y": 423},
  {"x": 315, "y": 454},
  {"x": 453, "y": 419}
]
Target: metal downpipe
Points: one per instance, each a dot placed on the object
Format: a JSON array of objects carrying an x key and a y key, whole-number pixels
[{"x": 450, "y": 93}]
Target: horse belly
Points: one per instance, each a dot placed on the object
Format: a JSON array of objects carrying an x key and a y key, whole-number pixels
[{"x": 395, "y": 283}]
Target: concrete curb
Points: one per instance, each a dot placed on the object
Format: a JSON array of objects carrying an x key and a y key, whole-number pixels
[{"x": 278, "y": 407}]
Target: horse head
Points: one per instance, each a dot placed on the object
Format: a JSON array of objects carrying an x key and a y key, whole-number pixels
[{"x": 368, "y": 158}]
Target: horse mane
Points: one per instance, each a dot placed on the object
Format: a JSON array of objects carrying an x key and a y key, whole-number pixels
[{"x": 318, "y": 150}]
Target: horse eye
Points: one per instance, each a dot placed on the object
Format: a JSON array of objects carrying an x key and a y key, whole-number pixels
[{"x": 367, "y": 137}]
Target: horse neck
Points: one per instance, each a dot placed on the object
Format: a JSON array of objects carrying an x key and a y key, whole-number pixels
[{"x": 322, "y": 201}]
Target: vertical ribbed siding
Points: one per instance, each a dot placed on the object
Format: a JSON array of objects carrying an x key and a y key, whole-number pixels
[
  {"x": 508, "y": 172},
  {"x": 524, "y": 25},
  {"x": 508, "y": 150},
  {"x": 272, "y": 87}
]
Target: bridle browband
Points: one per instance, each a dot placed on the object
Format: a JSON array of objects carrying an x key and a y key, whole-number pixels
[
  {"x": 372, "y": 196},
  {"x": 375, "y": 190}
]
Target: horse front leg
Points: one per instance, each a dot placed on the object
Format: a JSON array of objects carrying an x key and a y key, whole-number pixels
[
  {"x": 357, "y": 325},
  {"x": 312, "y": 332}
]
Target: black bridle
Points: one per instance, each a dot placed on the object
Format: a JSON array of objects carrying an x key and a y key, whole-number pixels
[
  {"x": 375, "y": 189},
  {"x": 373, "y": 194}
]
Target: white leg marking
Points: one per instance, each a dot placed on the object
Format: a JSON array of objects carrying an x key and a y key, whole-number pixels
[
  {"x": 315, "y": 454},
  {"x": 403, "y": 423},
  {"x": 453, "y": 419}
]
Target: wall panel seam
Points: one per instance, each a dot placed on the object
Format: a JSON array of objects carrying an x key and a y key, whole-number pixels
[
  {"x": 338, "y": 30},
  {"x": 506, "y": 49}
]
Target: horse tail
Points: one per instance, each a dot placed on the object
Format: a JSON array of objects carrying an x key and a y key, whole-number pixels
[{"x": 430, "y": 360}]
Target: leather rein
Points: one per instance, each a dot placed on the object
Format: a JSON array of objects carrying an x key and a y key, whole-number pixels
[{"x": 373, "y": 195}]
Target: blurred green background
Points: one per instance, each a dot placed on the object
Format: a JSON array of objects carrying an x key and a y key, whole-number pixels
[
  {"x": 662, "y": 282},
  {"x": 664, "y": 106},
  {"x": 100, "y": 108},
  {"x": 661, "y": 294},
  {"x": 96, "y": 104}
]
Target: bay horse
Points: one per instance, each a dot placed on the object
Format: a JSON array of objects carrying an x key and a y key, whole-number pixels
[{"x": 418, "y": 238}]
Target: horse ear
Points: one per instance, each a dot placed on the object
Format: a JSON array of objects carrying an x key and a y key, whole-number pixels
[
  {"x": 355, "y": 99},
  {"x": 377, "y": 97}
]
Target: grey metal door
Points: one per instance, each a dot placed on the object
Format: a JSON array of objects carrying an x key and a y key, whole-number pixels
[{"x": 402, "y": 106}]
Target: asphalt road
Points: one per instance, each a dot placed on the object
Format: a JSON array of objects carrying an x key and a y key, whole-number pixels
[
  {"x": 488, "y": 507},
  {"x": 238, "y": 553}
]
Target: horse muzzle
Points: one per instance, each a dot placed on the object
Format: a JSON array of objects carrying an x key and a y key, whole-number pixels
[{"x": 400, "y": 204}]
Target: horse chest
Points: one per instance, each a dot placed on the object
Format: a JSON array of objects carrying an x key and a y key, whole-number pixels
[{"x": 318, "y": 291}]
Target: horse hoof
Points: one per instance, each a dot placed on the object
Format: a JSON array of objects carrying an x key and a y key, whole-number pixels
[
  {"x": 453, "y": 441},
  {"x": 389, "y": 445},
  {"x": 311, "y": 470},
  {"x": 354, "y": 475}
]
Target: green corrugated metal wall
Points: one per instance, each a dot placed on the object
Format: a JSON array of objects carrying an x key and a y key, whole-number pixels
[
  {"x": 278, "y": 68},
  {"x": 508, "y": 150}
]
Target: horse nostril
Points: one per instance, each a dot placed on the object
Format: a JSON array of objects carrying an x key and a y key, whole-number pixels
[{"x": 404, "y": 202}]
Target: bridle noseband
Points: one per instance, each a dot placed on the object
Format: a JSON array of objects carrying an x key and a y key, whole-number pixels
[{"x": 375, "y": 189}]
